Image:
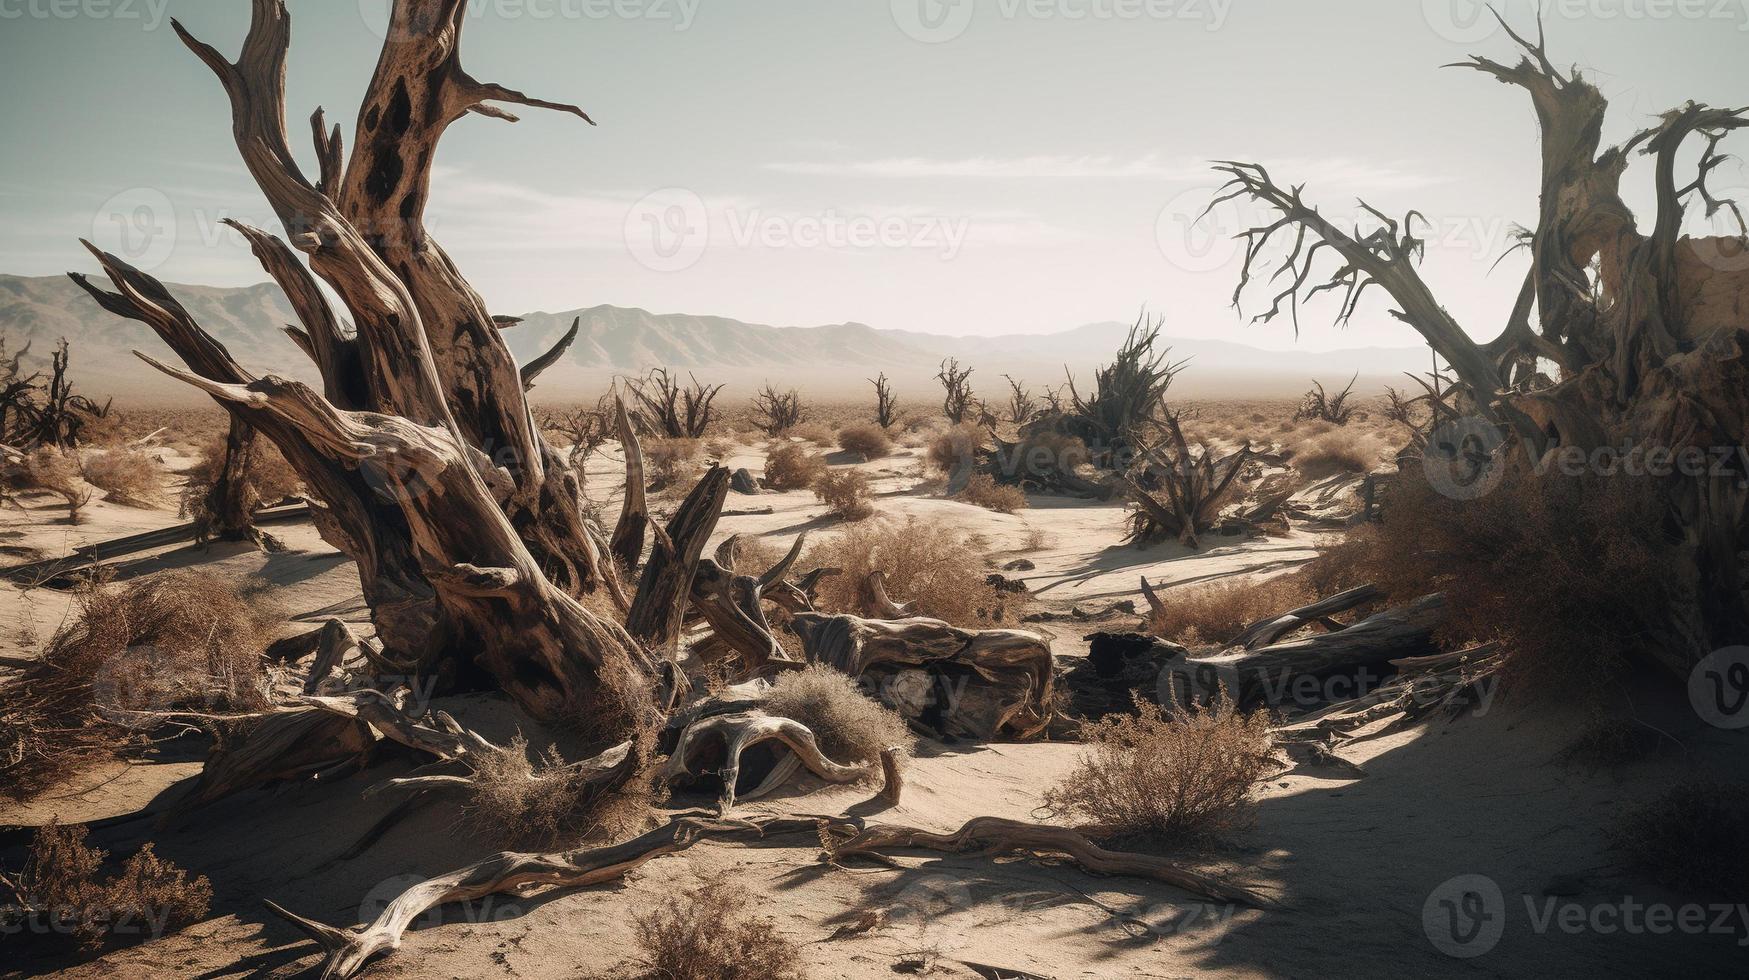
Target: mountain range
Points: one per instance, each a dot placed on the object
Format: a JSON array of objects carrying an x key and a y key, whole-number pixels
[{"x": 822, "y": 360}]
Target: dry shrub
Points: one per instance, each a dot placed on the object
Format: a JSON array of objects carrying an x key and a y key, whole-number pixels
[
  {"x": 814, "y": 432},
  {"x": 1176, "y": 781},
  {"x": 1694, "y": 838},
  {"x": 128, "y": 476},
  {"x": 982, "y": 490},
  {"x": 755, "y": 555},
  {"x": 267, "y": 479},
  {"x": 789, "y": 466},
  {"x": 52, "y": 470},
  {"x": 1216, "y": 613},
  {"x": 1339, "y": 451},
  {"x": 866, "y": 440},
  {"x": 846, "y": 494},
  {"x": 59, "y": 887},
  {"x": 669, "y": 460},
  {"x": 950, "y": 450},
  {"x": 849, "y": 725},
  {"x": 928, "y": 562},
  {"x": 542, "y": 800},
  {"x": 1569, "y": 574},
  {"x": 177, "y": 641},
  {"x": 710, "y": 933}
]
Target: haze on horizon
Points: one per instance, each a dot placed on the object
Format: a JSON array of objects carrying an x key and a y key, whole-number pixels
[{"x": 951, "y": 166}]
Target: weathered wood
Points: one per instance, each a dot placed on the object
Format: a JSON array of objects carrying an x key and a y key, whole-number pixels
[
  {"x": 628, "y": 536},
  {"x": 980, "y": 685},
  {"x": 1266, "y": 631},
  {"x": 657, "y": 612}
]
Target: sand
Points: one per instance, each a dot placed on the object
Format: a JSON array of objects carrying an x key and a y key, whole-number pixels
[{"x": 1354, "y": 862}]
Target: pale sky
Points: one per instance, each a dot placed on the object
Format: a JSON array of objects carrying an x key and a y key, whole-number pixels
[{"x": 969, "y": 167}]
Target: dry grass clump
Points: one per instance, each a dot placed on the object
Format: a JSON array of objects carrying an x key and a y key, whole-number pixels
[
  {"x": 1694, "y": 838},
  {"x": 181, "y": 641},
  {"x": 1175, "y": 781},
  {"x": 267, "y": 477},
  {"x": 950, "y": 450},
  {"x": 542, "y": 799},
  {"x": 866, "y": 439},
  {"x": 849, "y": 725},
  {"x": 52, "y": 470},
  {"x": 817, "y": 433},
  {"x": 982, "y": 490},
  {"x": 669, "y": 461},
  {"x": 128, "y": 476},
  {"x": 710, "y": 933},
  {"x": 846, "y": 494},
  {"x": 929, "y": 563},
  {"x": 59, "y": 890},
  {"x": 1338, "y": 450},
  {"x": 1214, "y": 614},
  {"x": 1569, "y": 574},
  {"x": 789, "y": 466}
]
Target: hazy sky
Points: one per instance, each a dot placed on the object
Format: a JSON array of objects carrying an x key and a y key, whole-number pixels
[{"x": 959, "y": 167}]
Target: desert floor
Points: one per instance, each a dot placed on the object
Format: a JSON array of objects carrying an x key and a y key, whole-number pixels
[{"x": 1353, "y": 862}]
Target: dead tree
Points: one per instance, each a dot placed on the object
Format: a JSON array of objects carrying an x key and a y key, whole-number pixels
[
  {"x": 1021, "y": 406},
  {"x": 465, "y": 525},
  {"x": 956, "y": 383},
  {"x": 33, "y": 413},
  {"x": 670, "y": 409},
  {"x": 227, "y": 509},
  {"x": 777, "y": 412},
  {"x": 1320, "y": 407},
  {"x": 1644, "y": 327},
  {"x": 1128, "y": 395},
  {"x": 886, "y": 405}
]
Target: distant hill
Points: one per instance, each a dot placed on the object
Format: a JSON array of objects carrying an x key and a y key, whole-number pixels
[{"x": 824, "y": 360}]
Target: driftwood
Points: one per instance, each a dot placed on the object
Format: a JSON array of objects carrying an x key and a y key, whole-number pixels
[
  {"x": 957, "y": 683},
  {"x": 718, "y": 743}
]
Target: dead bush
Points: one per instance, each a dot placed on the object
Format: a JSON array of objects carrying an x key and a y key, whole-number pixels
[
  {"x": 543, "y": 800},
  {"x": 849, "y": 725},
  {"x": 950, "y": 450},
  {"x": 710, "y": 933},
  {"x": 982, "y": 490},
  {"x": 1694, "y": 838},
  {"x": 1214, "y": 614},
  {"x": 179, "y": 641},
  {"x": 933, "y": 565},
  {"x": 127, "y": 476},
  {"x": 55, "y": 471},
  {"x": 670, "y": 461},
  {"x": 59, "y": 888},
  {"x": 267, "y": 477},
  {"x": 845, "y": 493},
  {"x": 1175, "y": 781},
  {"x": 815, "y": 432},
  {"x": 1569, "y": 574},
  {"x": 789, "y": 466},
  {"x": 866, "y": 440},
  {"x": 1338, "y": 451}
]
